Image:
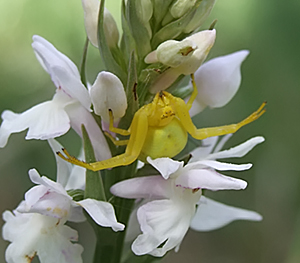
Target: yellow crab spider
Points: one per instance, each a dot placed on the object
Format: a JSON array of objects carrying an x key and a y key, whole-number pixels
[{"x": 159, "y": 129}]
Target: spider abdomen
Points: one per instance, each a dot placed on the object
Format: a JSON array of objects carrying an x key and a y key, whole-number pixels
[{"x": 164, "y": 141}]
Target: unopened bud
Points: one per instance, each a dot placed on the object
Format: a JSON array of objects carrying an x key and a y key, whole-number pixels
[
  {"x": 173, "y": 53},
  {"x": 185, "y": 56},
  {"x": 180, "y": 7},
  {"x": 200, "y": 15},
  {"x": 91, "y": 13}
]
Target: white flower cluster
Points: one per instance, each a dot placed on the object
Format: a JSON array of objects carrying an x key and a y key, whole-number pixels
[{"x": 171, "y": 200}]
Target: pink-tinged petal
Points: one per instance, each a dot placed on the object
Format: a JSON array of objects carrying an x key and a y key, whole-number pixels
[
  {"x": 63, "y": 168},
  {"x": 50, "y": 204},
  {"x": 43, "y": 121},
  {"x": 80, "y": 116},
  {"x": 209, "y": 179},
  {"x": 219, "y": 165},
  {"x": 142, "y": 187},
  {"x": 50, "y": 57},
  {"x": 34, "y": 234},
  {"x": 211, "y": 215},
  {"x": 49, "y": 184},
  {"x": 102, "y": 213},
  {"x": 72, "y": 86},
  {"x": 165, "y": 166},
  {"x": 238, "y": 151},
  {"x": 219, "y": 79},
  {"x": 162, "y": 221}
]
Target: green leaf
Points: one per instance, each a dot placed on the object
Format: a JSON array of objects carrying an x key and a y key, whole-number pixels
[
  {"x": 94, "y": 186},
  {"x": 105, "y": 52}
]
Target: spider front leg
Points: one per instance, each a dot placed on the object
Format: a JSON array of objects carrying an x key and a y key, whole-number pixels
[
  {"x": 139, "y": 128},
  {"x": 114, "y": 129},
  {"x": 200, "y": 134},
  {"x": 194, "y": 93}
]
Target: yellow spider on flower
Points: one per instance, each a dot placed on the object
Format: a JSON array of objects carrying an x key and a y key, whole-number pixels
[{"x": 159, "y": 129}]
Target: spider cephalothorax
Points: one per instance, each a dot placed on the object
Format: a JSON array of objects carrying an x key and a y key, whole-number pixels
[{"x": 160, "y": 129}]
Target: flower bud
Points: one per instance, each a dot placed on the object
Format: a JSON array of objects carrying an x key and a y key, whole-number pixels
[
  {"x": 91, "y": 12},
  {"x": 173, "y": 53},
  {"x": 144, "y": 10},
  {"x": 218, "y": 81},
  {"x": 183, "y": 57},
  {"x": 180, "y": 7},
  {"x": 204, "y": 40},
  {"x": 107, "y": 93}
]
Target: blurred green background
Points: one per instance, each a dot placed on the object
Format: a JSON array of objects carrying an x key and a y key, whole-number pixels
[{"x": 269, "y": 29}]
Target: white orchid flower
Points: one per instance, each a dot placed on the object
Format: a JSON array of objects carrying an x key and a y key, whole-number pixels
[
  {"x": 40, "y": 218},
  {"x": 31, "y": 235},
  {"x": 172, "y": 198},
  {"x": 183, "y": 57},
  {"x": 70, "y": 106},
  {"x": 218, "y": 81}
]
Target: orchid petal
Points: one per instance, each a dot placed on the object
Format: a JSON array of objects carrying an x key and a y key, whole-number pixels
[
  {"x": 102, "y": 213},
  {"x": 238, "y": 151},
  {"x": 80, "y": 116},
  {"x": 31, "y": 235},
  {"x": 141, "y": 187},
  {"x": 219, "y": 79},
  {"x": 53, "y": 186},
  {"x": 165, "y": 166},
  {"x": 211, "y": 215},
  {"x": 50, "y": 57},
  {"x": 72, "y": 86},
  {"x": 209, "y": 179},
  {"x": 219, "y": 165},
  {"x": 162, "y": 221},
  {"x": 52, "y": 123},
  {"x": 107, "y": 93},
  {"x": 49, "y": 204}
]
